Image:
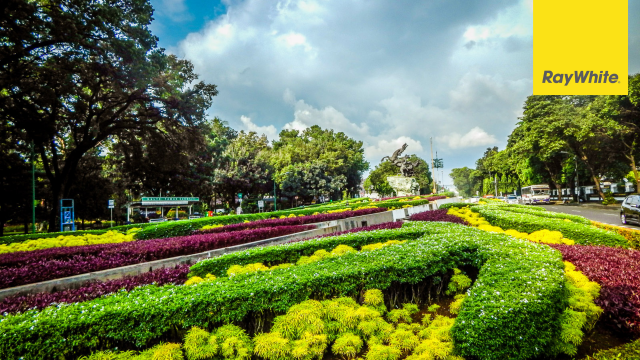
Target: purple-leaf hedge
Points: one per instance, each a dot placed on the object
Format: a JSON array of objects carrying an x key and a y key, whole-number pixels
[
  {"x": 93, "y": 290},
  {"x": 618, "y": 273},
  {"x": 437, "y": 215},
  {"x": 309, "y": 219},
  {"x": 28, "y": 267}
]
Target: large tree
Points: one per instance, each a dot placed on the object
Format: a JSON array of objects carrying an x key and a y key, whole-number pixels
[
  {"x": 340, "y": 154},
  {"x": 245, "y": 167},
  {"x": 75, "y": 73}
]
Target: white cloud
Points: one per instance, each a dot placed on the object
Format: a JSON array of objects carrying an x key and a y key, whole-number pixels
[
  {"x": 475, "y": 137},
  {"x": 385, "y": 147},
  {"x": 175, "y": 10},
  {"x": 381, "y": 73},
  {"x": 305, "y": 115},
  {"x": 248, "y": 125}
]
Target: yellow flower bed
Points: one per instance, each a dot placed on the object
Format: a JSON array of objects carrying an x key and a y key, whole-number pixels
[
  {"x": 110, "y": 237},
  {"x": 540, "y": 236}
]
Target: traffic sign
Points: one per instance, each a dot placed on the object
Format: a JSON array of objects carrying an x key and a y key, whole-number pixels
[
  {"x": 239, "y": 195},
  {"x": 260, "y": 204},
  {"x": 112, "y": 204}
]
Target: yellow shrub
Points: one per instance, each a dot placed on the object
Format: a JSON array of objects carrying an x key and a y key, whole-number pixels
[
  {"x": 207, "y": 227},
  {"x": 194, "y": 280},
  {"x": 342, "y": 249},
  {"x": 249, "y": 268},
  {"x": 110, "y": 237}
]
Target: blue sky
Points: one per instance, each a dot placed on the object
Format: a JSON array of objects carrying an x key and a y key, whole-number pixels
[{"x": 384, "y": 72}]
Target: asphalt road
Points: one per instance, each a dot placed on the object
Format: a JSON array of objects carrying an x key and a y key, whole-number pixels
[{"x": 606, "y": 216}]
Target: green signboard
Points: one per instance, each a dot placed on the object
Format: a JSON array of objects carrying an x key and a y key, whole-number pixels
[{"x": 170, "y": 199}]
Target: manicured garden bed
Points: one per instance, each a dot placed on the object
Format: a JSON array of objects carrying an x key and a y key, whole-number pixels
[
  {"x": 533, "y": 290},
  {"x": 34, "y": 266}
]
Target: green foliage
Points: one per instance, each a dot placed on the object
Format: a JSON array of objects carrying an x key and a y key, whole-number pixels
[
  {"x": 404, "y": 340},
  {"x": 292, "y": 253},
  {"x": 186, "y": 227},
  {"x": 629, "y": 351},
  {"x": 433, "y": 308},
  {"x": 580, "y": 233},
  {"x": 234, "y": 343},
  {"x": 455, "y": 306},
  {"x": 459, "y": 282},
  {"x": 608, "y": 198},
  {"x": 200, "y": 345},
  {"x": 272, "y": 346},
  {"x": 373, "y": 297},
  {"x": 382, "y": 352},
  {"x": 505, "y": 275},
  {"x": 347, "y": 346}
]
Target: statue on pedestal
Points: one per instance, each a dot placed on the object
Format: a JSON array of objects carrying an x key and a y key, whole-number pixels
[{"x": 406, "y": 184}]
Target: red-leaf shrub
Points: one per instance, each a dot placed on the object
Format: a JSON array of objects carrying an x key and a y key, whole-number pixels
[
  {"x": 21, "y": 268},
  {"x": 437, "y": 215},
  {"x": 93, "y": 290},
  {"x": 309, "y": 219},
  {"x": 617, "y": 271}
]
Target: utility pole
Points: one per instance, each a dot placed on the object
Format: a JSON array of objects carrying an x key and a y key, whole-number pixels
[
  {"x": 33, "y": 189},
  {"x": 432, "y": 178},
  {"x": 275, "y": 203},
  {"x": 496, "y": 184}
]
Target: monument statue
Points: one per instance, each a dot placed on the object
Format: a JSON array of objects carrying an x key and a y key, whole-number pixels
[{"x": 406, "y": 184}]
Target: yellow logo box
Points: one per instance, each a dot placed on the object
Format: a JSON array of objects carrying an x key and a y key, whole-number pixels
[{"x": 580, "y": 47}]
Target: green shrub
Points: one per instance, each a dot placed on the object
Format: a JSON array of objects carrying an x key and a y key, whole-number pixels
[
  {"x": 453, "y": 205},
  {"x": 539, "y": 211},
  {"x": 291, "y": 253},
  {"x": 347, "y": 346},
  {"x": 580, "y": 233},
  {"x": 629, "y": 351},
  {"x": 531, "y": 285}
]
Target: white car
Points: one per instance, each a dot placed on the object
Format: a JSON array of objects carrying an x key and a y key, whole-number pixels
[{"x": 511, "y": 199}]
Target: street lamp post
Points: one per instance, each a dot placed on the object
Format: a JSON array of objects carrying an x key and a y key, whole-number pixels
[{"x": 275, "y": 202}]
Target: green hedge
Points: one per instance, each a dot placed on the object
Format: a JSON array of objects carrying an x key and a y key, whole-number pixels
[
  {"x": 181, "y": 228},
  {"x": 539, "y": 211},
  {"x": 580, "y": 233},
  {"x": 512, "y": 311},
  {"x": 290, "y": 253},
  {"x": 453, "y": 205}
]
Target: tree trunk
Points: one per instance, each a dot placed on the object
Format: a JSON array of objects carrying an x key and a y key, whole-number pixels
[
  {"x": 55, "y": 206},
  {"x": 594, "y": 176},
  {"x": 554, "y": 178},
  {"x": 634, "y": 168},
  {"x": 1, "y": 228}
]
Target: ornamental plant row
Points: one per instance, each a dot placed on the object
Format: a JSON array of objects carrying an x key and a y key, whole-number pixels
[
  {"x": 177, "y": 276},
  {"x": 16, "y": 304},
  {"x": 181, "y": 228},
  {"x": 123, "y": 228},
  {"x": 539, "y": 211},
  {"x": 291, "y": 252},
  {"x": 580, "y": 233},
  {"x": 41, "y": 265},
  {"x": 514, "y": 297},
  {"x": 617, "y": 272},
  {"x": 310, "y": 219},
  {"x": 437, "y": 215}
]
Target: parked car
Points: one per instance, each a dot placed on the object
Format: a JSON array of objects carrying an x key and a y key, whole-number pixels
[
  {"x": 512, "y": 199},
  {"x": 630, "y": 210}
]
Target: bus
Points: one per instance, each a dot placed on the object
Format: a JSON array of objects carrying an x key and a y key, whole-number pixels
[{"x": 535, "y": 194}]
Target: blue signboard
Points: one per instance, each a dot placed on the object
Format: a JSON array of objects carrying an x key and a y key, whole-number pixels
[{"x": 67, "y": 216}]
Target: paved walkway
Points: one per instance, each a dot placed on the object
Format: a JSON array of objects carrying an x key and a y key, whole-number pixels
[{"x": 607, "y": 216}]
